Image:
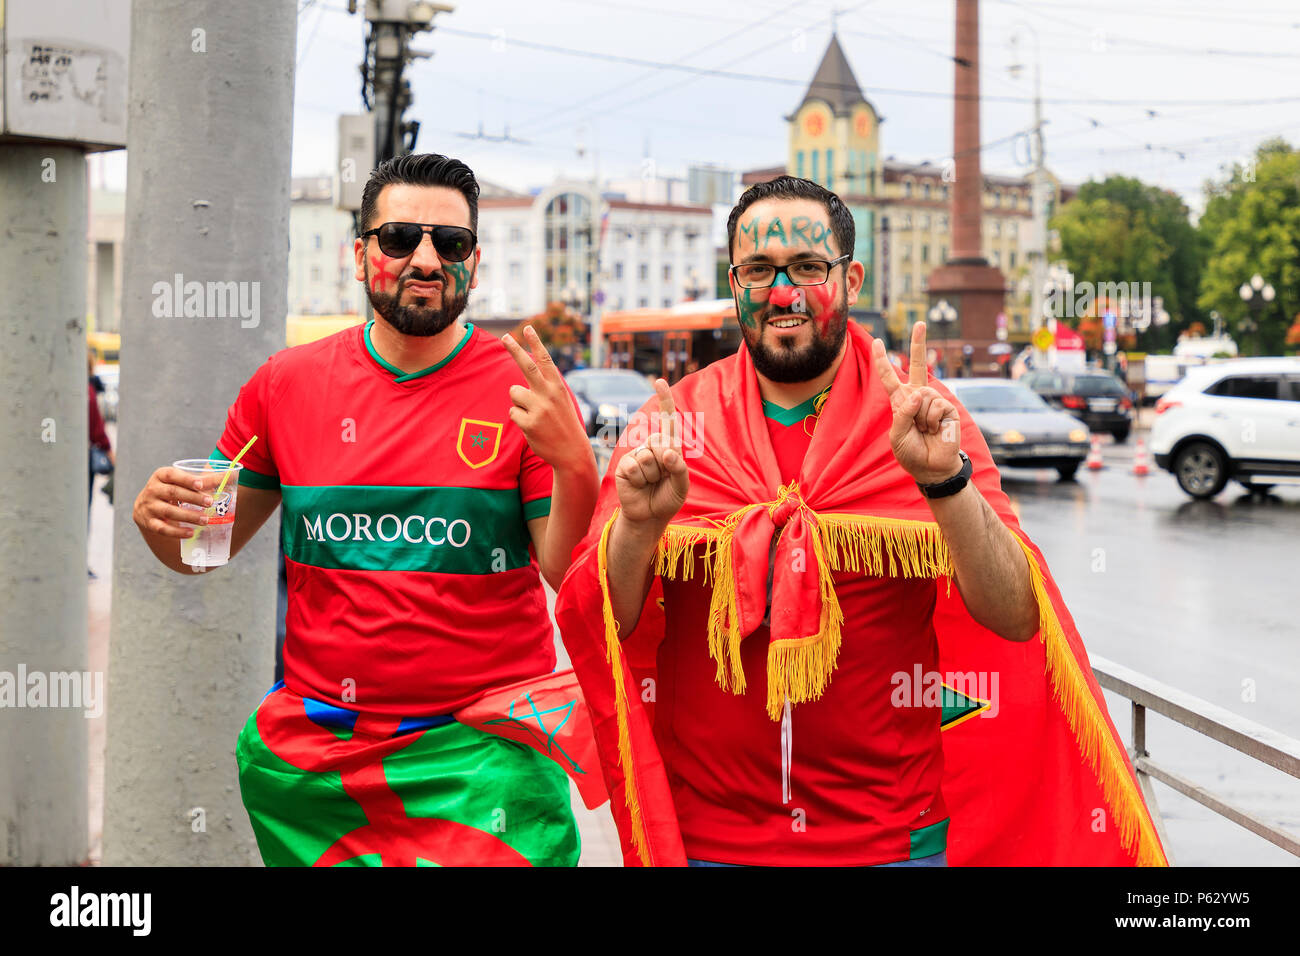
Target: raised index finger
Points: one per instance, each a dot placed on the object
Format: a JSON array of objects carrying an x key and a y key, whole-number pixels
[
  {"x": 525, "y": 361},
  {"x": 916, "y": 366},
  {"x": 668, "y": 414}
]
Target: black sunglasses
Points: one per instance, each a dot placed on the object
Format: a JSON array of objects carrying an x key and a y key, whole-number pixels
[{"x": 400, "y": 239}]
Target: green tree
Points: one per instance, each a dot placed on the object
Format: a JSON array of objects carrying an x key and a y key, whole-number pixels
[
  {"x": 1252, "y": 224},
  {"x": 1124, "y": 230}
]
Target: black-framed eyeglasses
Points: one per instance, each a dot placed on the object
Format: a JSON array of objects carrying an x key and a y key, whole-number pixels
[
  {"x": 399, "y": 239},
  {"x": 761, "y": 275}
]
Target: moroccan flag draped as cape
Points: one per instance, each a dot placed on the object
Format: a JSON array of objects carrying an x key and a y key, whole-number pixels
[{"x": 1045, "y": 782}]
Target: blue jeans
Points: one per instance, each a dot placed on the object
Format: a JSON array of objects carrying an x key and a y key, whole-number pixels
[{"x": 939, "y": 859}]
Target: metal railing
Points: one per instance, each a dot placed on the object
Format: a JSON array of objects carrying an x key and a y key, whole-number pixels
[{"x": 1244, "y": 736}]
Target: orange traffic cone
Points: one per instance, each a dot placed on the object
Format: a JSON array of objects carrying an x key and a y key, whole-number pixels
[
  {"x": 1094, "y": 455},
  {"x": 1140, "y": 466}
]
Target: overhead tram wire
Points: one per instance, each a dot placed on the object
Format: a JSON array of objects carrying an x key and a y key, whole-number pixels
[
  {"x": 1153, "y": 44},
  {"x": 1183, "y": 11},
  {"x": 744, "y": 56},
  {"x": 1185, "y": 146},
  {"x": 1142, "y": 145},
  {"x": 708, "y": 46},
  {"x": 893, "y": 91},
  {"x": 997, "y": 75},
  {"x": 605, "y": 110}
]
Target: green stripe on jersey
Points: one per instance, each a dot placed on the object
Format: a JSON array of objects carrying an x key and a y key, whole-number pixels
[
  {"x": 405, "y": 528},
  {"x": 927, "y": 841},
  {"x": 247, "y": 477},
  {"x": 537, "y": 508}
]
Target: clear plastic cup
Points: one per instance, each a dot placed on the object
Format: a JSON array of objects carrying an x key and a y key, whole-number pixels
[{"x": 210, "y": 548}]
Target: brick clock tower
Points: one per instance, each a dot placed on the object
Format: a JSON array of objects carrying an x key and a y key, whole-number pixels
[{"x": 972, "y": 289}]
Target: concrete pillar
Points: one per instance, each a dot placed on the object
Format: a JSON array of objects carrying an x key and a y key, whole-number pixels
[
  {"x": 208, "y": 137},
  {"x": 43, "y": 444}
]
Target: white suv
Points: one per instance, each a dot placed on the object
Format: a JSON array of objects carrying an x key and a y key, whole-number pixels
[{"x": 1238, "y": 419}]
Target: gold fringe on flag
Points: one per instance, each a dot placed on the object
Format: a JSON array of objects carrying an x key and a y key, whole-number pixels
[
  {"x": 798, "y": 670},
  {"x": 614, "y": 655},
  {"x": 1096, "y": 743}
]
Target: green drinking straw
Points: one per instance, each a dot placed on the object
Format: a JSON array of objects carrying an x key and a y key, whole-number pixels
[{"x": 222, "y": 487}]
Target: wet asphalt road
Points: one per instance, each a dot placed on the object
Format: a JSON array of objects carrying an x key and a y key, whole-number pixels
[{"x": 1200, "y": 595}]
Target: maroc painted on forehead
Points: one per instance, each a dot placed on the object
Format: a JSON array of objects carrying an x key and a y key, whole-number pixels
[{"x": 804, "y": 231}]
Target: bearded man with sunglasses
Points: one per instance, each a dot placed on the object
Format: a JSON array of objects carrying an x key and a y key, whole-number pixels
[
  {"x": 804, "y": 586},
  {"x": 431, "y": 477}
]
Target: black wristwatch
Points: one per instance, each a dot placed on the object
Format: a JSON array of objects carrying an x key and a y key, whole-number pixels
[{"x": 942, "y": 489}]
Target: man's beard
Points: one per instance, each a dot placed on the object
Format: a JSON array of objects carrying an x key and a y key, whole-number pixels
[
  {"x": 790, "y": 363},
  {"x": 418, "y": 320}
]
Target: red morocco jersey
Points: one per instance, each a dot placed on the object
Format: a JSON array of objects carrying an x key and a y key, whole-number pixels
[{"x": 412, "y": 588}]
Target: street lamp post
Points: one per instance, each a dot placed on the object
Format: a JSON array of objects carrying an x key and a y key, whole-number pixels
[
  {"x": 694, "y": 287},
  {"x": 571, "y": 296},
  {"x": 1058, "y": 286},
  {"x": 1256, "y": 294},
  {"x": 1145, "y": 319},
  {"x": 943, "y": 315},
  {"x": 1040, "y": 188}
]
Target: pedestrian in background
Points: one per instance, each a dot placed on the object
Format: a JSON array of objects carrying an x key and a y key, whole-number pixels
[{"x": 102, "y": 459}]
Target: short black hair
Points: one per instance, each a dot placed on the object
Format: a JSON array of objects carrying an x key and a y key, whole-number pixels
[
  {"x": 419, "y": 169},
  {"x": 791, "y": 187}
]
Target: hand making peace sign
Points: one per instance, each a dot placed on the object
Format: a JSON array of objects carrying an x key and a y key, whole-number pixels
[
  {"x": 544, "y": 411},
  {"x": 652, "y": 479},
  {"x": 926, "y": 433}
]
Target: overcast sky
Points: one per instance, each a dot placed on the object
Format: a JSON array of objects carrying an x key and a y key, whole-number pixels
[{"x": 1164, "y": 90}]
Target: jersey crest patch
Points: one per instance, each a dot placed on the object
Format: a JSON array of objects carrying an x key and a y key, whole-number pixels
[{"x": 478, "y": 442}]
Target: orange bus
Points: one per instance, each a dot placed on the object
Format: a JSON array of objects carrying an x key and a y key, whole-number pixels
[{"x": 671, "y": 342}]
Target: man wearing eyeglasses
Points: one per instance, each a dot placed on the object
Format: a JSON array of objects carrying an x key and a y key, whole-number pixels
[
  {"x": 431, "y": 477},
  {"x": 773, "y": 555}
]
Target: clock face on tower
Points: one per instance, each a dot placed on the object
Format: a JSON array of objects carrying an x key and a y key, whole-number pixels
[{"x": 815, "y": 124}]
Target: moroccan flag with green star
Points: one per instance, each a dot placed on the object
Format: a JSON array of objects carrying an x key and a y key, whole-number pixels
[
  {"x": 326, "y": 786},
  {"x": 548, "y": 714}
]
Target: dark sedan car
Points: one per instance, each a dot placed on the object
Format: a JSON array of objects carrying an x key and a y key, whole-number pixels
[
  {"x": 607, "y": 396},
  {"x": 1021, "y": 429},
  {"x": 1098, "y": 399}
]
